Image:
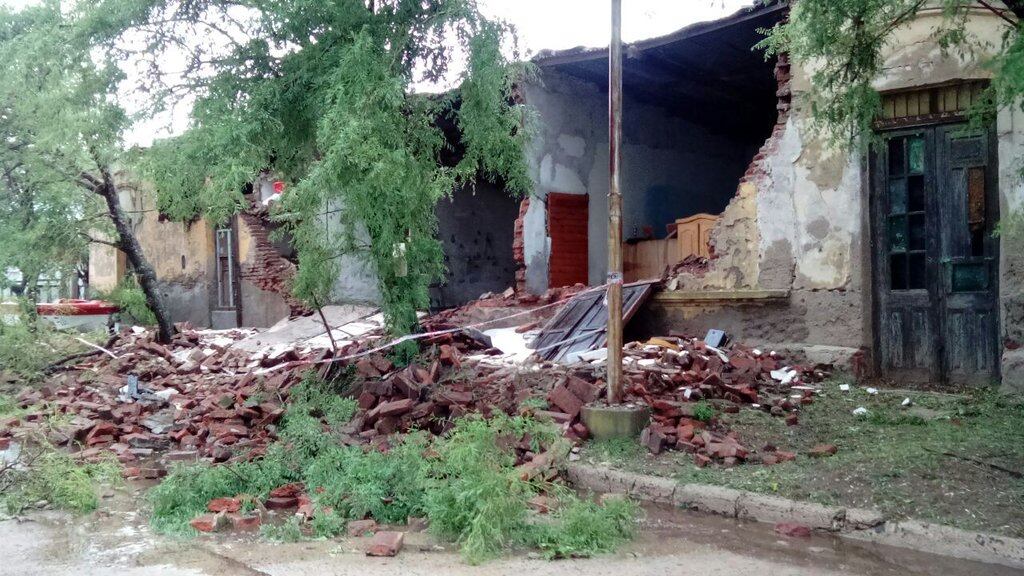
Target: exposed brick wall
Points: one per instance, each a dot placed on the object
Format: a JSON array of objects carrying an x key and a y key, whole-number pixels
[
  {"x": 266, "y": 268},
  {"x": 518, "y": 250},
  {"x": 758, "y": 167}
]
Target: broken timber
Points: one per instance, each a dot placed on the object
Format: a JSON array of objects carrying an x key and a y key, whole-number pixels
[{"x": 582, "y": 324}]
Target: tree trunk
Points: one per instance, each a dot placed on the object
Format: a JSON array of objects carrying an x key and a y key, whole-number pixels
[{"x": 129, "y": 244}]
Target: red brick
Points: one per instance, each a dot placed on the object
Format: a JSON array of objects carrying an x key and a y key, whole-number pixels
[
  {"x": 792, "y": 530},
  {"x": 282, "y": 502},
  {"x": 565, "y": 400},
  {"x": 822, "y": 451},
  {"x": 224, "y": 505},
  {"x": 385, "y": 544},
  {"x": 207, "y": 522},
  {"x": 288, "y": 490},
  {"x": 245, "y": 523},
  {"x": 358, "y": 528},
  {"x": 396, "y": 407}
]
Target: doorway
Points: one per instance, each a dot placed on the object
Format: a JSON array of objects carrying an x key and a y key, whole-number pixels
[
  {"x": 934, "y": 208},
  {"x": 568, "y": 218}
]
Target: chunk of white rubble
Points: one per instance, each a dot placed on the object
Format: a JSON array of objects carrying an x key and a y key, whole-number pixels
[
  {"x": 860, "y": 411},
  {"x": 872, "y": 391},
  {"x": 719, "y": 352},
  {"x": 844, "y": 387},
  {"x": 784, "y": 375},
  {"x": 906, "y": 402}
]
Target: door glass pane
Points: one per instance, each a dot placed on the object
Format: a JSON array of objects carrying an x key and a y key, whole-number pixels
[
  {"x": 917, "y": 274},
  {"x": 898, "y": 196},
  {"x": 898, "y": 271},
  {"x": 976, "y": 224},
  {"x": 915, "y": 193},
  {"x": 897, "y": 233},
  {"x": 915, "y": 155},
  {"x": 969, "y": 277},
  {"x": 896, "y": 156},
  {"x": 916, "y": 232}
]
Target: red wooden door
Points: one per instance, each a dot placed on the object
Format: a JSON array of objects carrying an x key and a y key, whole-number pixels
[{"x": 567, "y": 226}]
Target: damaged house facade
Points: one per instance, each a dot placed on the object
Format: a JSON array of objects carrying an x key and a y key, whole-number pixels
[{"x": 886, "y": 262}]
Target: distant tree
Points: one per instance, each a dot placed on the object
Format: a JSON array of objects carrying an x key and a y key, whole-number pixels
[
  {"x": 322, "y": 93},
  {"x": 61, "y": 141}
]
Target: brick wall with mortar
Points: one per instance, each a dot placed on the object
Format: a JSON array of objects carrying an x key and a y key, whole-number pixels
[{"x": 265, "y": 268}]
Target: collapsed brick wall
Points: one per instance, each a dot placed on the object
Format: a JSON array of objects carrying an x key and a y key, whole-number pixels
[
  {"x": 758, "y": 169},
  {"x": 518, "y": 248},
  {"x": 266, "y": 268},
  {"x": 735, "y": 240}
]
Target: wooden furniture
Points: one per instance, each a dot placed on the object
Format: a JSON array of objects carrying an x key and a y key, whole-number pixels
[
  {"x": 645, "y": 259},
  {"x": 694, "y": 235}
]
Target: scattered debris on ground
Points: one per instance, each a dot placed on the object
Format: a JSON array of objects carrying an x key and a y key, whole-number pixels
[{"x": 219, "y": 395}]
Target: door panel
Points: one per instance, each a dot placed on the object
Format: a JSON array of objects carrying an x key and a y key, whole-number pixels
[
  {"x": 934, "y": 205},
  {"x": 903, "y": 208},
  {"x": 967, "y": 189},
  {"x": 568, "y": 229}
]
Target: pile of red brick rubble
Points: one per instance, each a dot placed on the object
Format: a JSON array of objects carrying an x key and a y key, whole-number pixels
[
  {"x": 195, "y": 398},
  {"x": 201, "y": 398}
]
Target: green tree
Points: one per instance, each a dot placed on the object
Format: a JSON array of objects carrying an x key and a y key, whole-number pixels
[
  {"x": 842, "y": 43},
  {"x": 62, "y": 133},
  {"x": 322, "y": 93}
]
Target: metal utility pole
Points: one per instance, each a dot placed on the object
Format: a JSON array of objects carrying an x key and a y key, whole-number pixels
[{"x": 615, "y": 208}]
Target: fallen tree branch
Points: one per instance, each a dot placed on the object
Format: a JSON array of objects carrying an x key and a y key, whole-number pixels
[
  {"x": 59, "y": 364},
  {"x": 1014, "y": 473}
]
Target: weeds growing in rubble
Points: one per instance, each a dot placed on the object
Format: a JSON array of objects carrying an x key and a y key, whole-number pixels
[
  {"x": 43, "y": 473},
  {"x": 465, "y": 483},
  {"x": 703, "y": 411}
]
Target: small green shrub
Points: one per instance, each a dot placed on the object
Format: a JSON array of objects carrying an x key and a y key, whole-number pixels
[
  {"x": 703, "y": 411},
  {"x": 187, "y": 489},
  {"x": 585, "y": 528},
  {"x": 616, "y": 449},
  {"x": 465, "y": 483}
]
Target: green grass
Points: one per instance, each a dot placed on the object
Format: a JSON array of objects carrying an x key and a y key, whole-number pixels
[
  {"x": 892, "y": 459},
  {"x": 50, "y": 475},
  {"x": 465, "y": 483}
]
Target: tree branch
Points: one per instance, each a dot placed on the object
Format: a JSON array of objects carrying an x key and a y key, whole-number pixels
[{"x": 998, "y": 12}]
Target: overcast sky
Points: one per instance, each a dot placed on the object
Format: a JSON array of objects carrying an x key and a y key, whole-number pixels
[{"x": 541, "y": 24}]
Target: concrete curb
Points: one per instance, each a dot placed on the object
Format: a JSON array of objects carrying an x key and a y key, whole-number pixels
[{"x": 852, "y": 523}]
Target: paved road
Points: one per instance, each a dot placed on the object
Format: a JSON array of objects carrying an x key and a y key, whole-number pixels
[{"x": 116, "y": 542}]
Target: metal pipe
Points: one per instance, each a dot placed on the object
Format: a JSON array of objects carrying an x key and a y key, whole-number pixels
[{"x": 614, "y": 362}]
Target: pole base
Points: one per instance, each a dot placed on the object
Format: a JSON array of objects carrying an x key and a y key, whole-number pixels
[{"x": 620, "y": 421}]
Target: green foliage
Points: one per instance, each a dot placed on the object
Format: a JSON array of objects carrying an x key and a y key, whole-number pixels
[
  {"x": 322, "y": 95},
  {"x": 288, "y": 531},
  {"x": 841, "y": 42},
  {"x": 58, "y": 127},
  {"x": 703, "y": 411},
  {"x": 51, "y": 475},
  {"x": 465, "y": 483},
  {"x": 474, "y": 495},
  {"x": 132, "y": 302},
  {"x": 25, "y": 352},
  {"x": 616, "y": 449},
  {"x": 584, "y": 528}
]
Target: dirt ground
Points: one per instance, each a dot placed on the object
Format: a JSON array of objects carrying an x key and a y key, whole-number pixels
[
  {"x": 932, "y": 460},
  {"x": 116, "y": 541}
]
